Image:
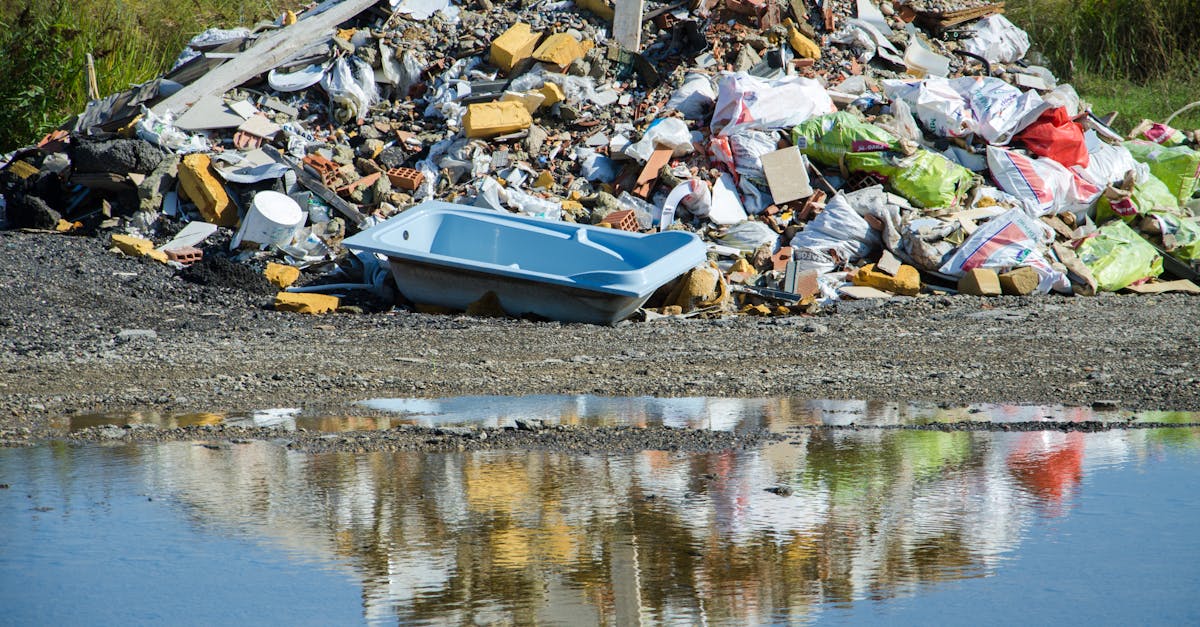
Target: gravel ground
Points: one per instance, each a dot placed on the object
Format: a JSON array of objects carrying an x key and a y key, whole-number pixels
[{"x": 84, "y": 330}]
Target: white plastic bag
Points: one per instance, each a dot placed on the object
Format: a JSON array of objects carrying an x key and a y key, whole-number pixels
[
  {"x": 935, "y": 102},
  {"x": 1044, "y": 185},
  {"x": 1007, "y": 241},
  {"x": 997, "y": 40},
  {"x": 748, "y": 148},
  {"x": 351, "y": 90},
  {"x": 838, "y": 229},
  {"x": 693, "y": 194},
  {"x": 747, "y": 102},
  {"x": 1000, "y": 110},
  {"x": 161, "y": 132},
  {"x": 670, "y": 133},
  {"x": 749, "y": 235},
  {"x": 695, "y": 98},
  {"x": 1108, "y": 164}
]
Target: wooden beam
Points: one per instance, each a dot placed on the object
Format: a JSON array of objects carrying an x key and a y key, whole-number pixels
[
  {"x": 269, "y": 52},
  {"x": 627, "y": 24}
]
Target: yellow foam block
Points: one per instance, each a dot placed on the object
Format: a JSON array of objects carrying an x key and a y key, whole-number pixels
[
  {"x": 553, "y": 94},
  {"x": 132, "y": 246},
  {"x": 907, "y": 281},
  {"x": 489, "y": 119},
  {"x": 202, "y": 188},
  {"x": 559, "y": 49},
  {"x": 513, "y": 46},
  {"x": 306, "y": 303},
  {"x": 281, "y": 275},
  {"x": 803, "y": 46}
]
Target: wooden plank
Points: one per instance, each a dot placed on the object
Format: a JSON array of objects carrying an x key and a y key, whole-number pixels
[
  {"x": 627, "y": 24},
  {"x": 269, "y": 52}
]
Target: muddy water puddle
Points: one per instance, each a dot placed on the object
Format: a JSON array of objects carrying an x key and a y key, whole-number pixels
[
  {"x": 777, "y": 414},
  {"x": 832, "y": 526}
]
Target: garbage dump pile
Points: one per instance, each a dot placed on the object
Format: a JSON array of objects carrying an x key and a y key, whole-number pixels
[{"x": 820, "y": 150}]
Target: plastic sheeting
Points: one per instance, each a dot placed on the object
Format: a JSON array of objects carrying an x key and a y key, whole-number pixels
[{"x": 745, "y": 102}]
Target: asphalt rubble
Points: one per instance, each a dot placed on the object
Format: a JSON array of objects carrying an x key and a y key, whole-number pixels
[{"x": 824, "y": 152}]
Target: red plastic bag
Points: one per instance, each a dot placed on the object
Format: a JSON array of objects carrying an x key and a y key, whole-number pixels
[{"x": 1056, "y": 136}]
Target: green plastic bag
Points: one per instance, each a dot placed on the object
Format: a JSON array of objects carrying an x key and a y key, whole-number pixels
[
  {"x": 925, "y": 178},
  {"x": 1177, "y": 166},
  {"x": 1180, "y": 235},
  {"x": 827, "y": 138},
  {"x": 1149, "y": 195},
  {"x": 1118, "y": 256}
]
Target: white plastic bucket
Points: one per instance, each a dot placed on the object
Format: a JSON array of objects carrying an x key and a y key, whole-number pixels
[{"x": 273, "y": 219}]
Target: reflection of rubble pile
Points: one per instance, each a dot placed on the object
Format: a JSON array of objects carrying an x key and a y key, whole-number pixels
[{"x": 825, "y": 150}]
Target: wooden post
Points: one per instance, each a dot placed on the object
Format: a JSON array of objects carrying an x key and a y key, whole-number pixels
[{"x": 627, "y": 24}]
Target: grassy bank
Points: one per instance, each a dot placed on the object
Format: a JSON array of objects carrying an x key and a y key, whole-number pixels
[
  {"x": 1136, "y": 57},
  {"x": 44, "y": 43}
]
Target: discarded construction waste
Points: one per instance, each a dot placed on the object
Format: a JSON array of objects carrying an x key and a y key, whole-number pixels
[{"x": 807, "y": 152}]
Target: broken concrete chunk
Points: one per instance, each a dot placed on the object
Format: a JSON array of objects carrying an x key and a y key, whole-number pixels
[
  {"x": 513, "y": 46},
  {"x": 490, "y": 119},
  {"x": 202, "y": 188},
  {"x": 888, "y": 264},
  {"x": 306, "y": 303},
  {"x": 1022, "y": 281},
  {"x": 980, "y": 282}
]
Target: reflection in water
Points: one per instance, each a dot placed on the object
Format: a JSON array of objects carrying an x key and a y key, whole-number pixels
[
  {"x": 695, "y": 413},
  {"x": 652, "y": 537}
]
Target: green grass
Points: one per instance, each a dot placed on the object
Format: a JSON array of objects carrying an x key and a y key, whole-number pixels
[
  {"x": 1136, "y": 57},
  {"x": 44, "y": 43}
]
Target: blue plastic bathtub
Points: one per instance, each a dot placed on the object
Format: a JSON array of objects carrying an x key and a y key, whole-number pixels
[{"x": 451, "y": 255}]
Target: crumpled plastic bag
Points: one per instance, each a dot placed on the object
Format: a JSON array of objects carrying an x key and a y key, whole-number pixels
[
  {"x": 1007, "y": 241},
  {"x": 1044, "y": 185},
  {"x": 902, "y": 123},
  {"x": 693, "y": 194},
  {"x": 670, "y": 133},
  {"x": 1109, "y": 164},
  {"x": 748, "y": 235},
  {"x": 837, "y": 234},
  {"x": 1180, "y": 235},
  {"x": 999, "y": 109},
  {"x": 351, "y": 91},
  {"x": 1177, "y": 166},
  {"x": 1149, "y": 194},
  {"x": 161, "y": 132},
  {"x": 997, "y": 40},
  {"x": 875, "y": 202},
  {"x": 927, "y": 179},
  {"x": 936, "y": 103},
  {"x": 747, "y": 102},
  {"x": 1118, "y": 256},
  {"x": 695, "y": 98},
  {"x": 748, "y": 147},
  {"x": 1054, "y": 135},
  {"x": 828, "y": 138}
]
